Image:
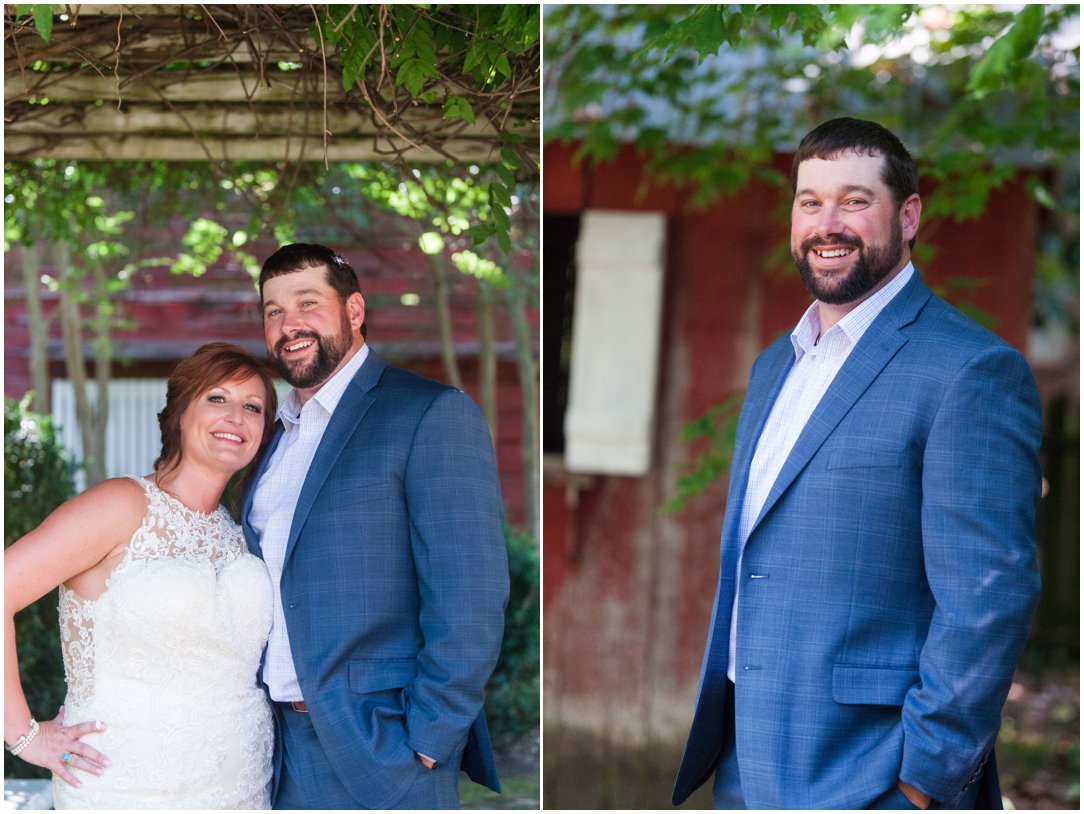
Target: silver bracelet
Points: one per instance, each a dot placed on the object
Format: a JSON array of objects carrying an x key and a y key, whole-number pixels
[{"x": 25, "y": 740}]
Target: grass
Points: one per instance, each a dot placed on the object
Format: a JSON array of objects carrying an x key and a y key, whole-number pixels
[
  {"x": 517, "y": 793},
  {"x": 517, "y": 764}
]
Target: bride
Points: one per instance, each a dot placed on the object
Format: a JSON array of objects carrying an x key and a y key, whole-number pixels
[{"x": 163, "y": 614}]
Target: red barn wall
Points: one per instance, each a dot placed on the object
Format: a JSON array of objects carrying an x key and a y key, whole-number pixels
[{"x": 173, "y": 315}]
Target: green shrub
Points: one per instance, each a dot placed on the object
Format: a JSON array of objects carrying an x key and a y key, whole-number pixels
[
  {"x": 37, "y": 479},
  {"x": 512, "y": 696}
]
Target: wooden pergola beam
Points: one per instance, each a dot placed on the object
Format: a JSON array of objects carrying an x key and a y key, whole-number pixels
[
  {"x": 236, "y": 119},
  {"x": 277, "y": 148},
  {"x": 253, "y": 85},
  {"x": 143, "y": 47},
  {"x": 179, "y": 86}
]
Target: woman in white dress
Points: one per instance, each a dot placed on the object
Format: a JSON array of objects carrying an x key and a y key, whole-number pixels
[{"x": 163, "y": 614}]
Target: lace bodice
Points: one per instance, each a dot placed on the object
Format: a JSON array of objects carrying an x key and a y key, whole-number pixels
[
  {"x": 170, "y": 531},
  {"x": 167, "y": 656}
]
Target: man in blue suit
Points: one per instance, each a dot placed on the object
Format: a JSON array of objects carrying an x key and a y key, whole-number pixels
[
  {"x": 378, "y": 511},
  {"x": 878, "y": 562}
]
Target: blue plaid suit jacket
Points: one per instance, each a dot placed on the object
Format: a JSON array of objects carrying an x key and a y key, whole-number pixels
[
  {"x": 394, "y": 584},
  {"x": 895, "y": 566}
]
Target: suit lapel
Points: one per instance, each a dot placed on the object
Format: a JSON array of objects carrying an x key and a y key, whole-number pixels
[
  {"x": 763, "y": 391},
  {"x": 881, "y": 341},
  {"x": 764, "y": 386},
  {"x": 352, "y": 407}
]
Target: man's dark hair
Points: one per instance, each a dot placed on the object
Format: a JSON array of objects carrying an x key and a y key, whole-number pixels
[
  {"x": 842, "y": 135},
  {"x": 298, "y": 256}
]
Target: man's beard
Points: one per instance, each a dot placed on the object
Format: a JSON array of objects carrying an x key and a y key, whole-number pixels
[
  {"x": 330, "y": 350},
  {"x": 872, "y": 265}
]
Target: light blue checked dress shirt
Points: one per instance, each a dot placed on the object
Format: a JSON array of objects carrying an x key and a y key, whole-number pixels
[
  {"x": 275, "y": 501},
  {"x": 817, "y": 361}
]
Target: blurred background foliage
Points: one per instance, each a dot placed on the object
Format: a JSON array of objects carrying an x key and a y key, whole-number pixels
[
  {"x": 513, "y": 694},
  {"x": 101, "y": 223},
  {"x": 37, "y": 479},
  {"x": 710, "y": 94}
]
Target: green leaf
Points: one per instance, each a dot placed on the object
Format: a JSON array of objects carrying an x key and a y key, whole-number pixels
[
  {"x": 481, "y": 59},
  {"x": 718, "y": 426},
  {"x": 43, "y": 20},
  {"x": 358, "y": 54},
  {"x": 479, "y": 267},
  {"x": 456, "y": 107},
  {"x": 502, "y": 197},
  {"x": 431, "y": 243},
  {"x": 505, "y": 175},
  {"x": 511, "y": 158},
  {"x": 1002, "y": 58},
  {"x": 205, "y": 242},
  {"x": 411, "y": 75},
  {"x": 1041, "y": 194}
]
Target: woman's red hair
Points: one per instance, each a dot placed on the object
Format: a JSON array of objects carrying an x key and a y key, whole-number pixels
[{"x": 209, "y": 366}]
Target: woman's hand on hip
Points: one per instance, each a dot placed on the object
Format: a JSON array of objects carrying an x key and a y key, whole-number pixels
[{"x": 57, "y": 747}]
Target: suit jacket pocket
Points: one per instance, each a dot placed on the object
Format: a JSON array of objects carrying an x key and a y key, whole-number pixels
[
  {"x": 380, "y": 675},
  {"x": 857, "y": 684},
  {"x": 866, "y": 457}
]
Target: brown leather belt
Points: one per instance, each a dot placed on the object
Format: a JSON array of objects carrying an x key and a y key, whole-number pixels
[{"x": 296, "y": 706}]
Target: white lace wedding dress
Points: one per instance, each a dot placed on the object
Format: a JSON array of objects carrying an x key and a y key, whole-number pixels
[{"x": 166, "y": 657}]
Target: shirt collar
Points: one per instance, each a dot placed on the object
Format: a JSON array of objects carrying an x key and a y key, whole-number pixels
[
  {"x": 330, "y": 392},
  {"x": 854, "y": 324}
]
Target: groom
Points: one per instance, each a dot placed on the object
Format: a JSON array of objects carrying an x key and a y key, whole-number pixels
[
  {"x": 378, "y": 511},
  {"x": 878, "y": 564}
]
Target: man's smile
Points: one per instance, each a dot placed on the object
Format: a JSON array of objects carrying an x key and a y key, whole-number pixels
[
  {"x": 296, "y": 345},
  {"x": 830, "y": 253}
]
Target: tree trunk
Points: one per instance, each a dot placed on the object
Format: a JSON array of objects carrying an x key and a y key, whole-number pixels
[
  {"x": 103, "y": 360},
  {"x": 487, "y": 358},
  {"x": 38, "y": 328},
  {"x": 527, "y": 368},
  {"x": 444, "y": 321},
  {"x": 91, "y": 433}
]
